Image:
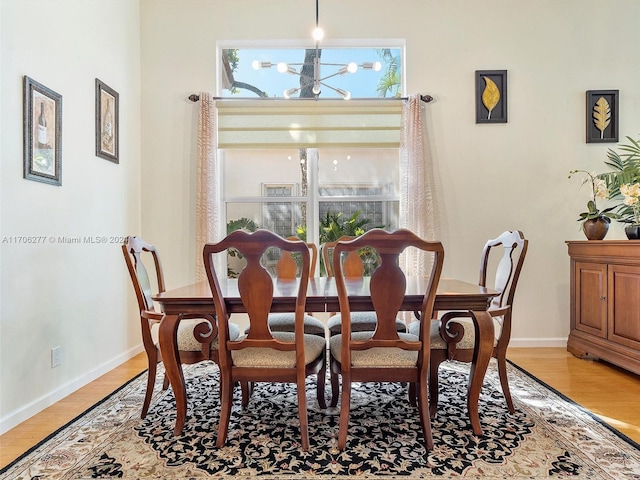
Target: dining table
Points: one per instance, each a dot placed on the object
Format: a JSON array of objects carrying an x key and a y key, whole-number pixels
[{"x": 322, "y": 296}]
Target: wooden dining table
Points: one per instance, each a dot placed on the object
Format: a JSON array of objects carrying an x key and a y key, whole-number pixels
[{"x": 322, "y": 296}]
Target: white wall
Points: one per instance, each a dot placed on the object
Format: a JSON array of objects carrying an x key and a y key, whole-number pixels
[
  {"x": 490, "y": 177},
  {"x": 75, "y": 296}
]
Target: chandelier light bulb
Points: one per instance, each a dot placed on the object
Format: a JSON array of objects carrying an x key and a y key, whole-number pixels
[
  {"x": 316, "y": 89},
  {"x": 291, "y": 91},
  {"x": 257, "y": 65},
  {"x": 318, "y": 34},
  {"x": 377, "y": 66},
  {"x": 282, "y": 67},
  {"x": 352, "y": 67},
  {"x": 345, "y": 94}
]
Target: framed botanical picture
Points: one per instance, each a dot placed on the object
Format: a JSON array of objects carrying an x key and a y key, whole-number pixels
[
  {"x": 107, "y": 122},
  {"x": 491, "y": 96},
  {"x": 602, "y": 116},
  {"x": 42, "y": 133}
]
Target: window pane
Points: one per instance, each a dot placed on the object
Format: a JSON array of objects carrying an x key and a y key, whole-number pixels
[
  {"x": 378, "y": 71},
  {"x": 269, "y": 189},
  {"x": 360, "y": 180}
]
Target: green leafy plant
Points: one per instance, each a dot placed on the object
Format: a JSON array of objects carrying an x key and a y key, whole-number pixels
[
  {"x": 233, "y": 225},
  {"x": 621, "y": 181},
  {"x": 335, "y": 225}
]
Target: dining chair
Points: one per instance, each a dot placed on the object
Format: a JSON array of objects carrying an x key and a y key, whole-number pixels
[
  {"x": 288, "y": 269},
  {"x": 352, "y": 267},
  {"x": 263, "y": 355},
  {"x": 453, "y": 335},
  {"x": 196, "y": 336},
  {"x": 384, "y": 354}
]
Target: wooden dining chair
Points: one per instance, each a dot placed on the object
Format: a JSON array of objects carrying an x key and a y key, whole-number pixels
[
  {"x": 263, "y": 355},
  {"x": 453, "y": 335},
  {"x": 352, "y": 267},
  {"x": 196, "y": 336},
  {"x": 384, "y": 354},
  {"x": 288, "y": 269}
]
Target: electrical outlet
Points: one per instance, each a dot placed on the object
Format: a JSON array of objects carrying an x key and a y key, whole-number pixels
[{"x": 56, "y": 357}]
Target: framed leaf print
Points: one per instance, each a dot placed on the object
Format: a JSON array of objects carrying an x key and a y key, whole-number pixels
[
  {"x": 491, "y": 96},
  {"x": 602, "y": 116}
]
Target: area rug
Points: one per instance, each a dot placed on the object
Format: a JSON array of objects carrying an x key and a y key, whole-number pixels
[{"x": 548, "y": 436}]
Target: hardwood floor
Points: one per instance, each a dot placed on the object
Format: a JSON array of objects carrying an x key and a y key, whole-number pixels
[{"x": 607, "y": 391}]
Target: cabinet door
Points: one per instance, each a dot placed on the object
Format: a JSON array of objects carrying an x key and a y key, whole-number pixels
[
  {"x": 624, "y": 305},
  {"x": 591, "y": 298}
]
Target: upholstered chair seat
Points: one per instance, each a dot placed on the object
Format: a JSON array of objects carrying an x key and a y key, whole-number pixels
[
  {"x": 185, "y": 336},
  {"x": 284, "y": 322},
  {"x": 468, "y": 339},
  {"x": 258, "y": 357},
  {"x": 377, "y": 357},
  {"x": 360, "y": 322}
]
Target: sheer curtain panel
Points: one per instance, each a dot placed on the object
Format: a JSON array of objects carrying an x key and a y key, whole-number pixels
[
  {"x": 207, "y": 184},
  {"x": 416, "y": 195}
]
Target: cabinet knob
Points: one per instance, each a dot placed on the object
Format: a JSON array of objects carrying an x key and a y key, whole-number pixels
[{"x": 603, "y": 298}]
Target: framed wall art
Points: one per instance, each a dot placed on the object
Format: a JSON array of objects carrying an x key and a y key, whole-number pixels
[
  {"x": 602, "y": 116},
  {"x": 42, "y": 133},
  {"x": 491, "y": 96},
  {"x": 107, "y": 122}
]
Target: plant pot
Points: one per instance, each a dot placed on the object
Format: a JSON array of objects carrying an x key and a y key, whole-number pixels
[
  {"x": 595, "y": 228},
  {"x": 632, "y": 232}
]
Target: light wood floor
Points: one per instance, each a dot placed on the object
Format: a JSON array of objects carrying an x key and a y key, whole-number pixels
[{"x": 605, "y": 390}]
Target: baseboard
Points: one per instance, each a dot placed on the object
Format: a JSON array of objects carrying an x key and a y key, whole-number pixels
[
  {"x": 538, "y": 342},
  {"x": 21, "y": 414}
]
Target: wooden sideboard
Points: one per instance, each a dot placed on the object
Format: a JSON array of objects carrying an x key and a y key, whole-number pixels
[{"x": 605, "y": 301}]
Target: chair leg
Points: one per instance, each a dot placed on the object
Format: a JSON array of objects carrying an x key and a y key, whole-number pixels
[
  {"x": 226, "y": 385},
  {"x": 302, "y": 412},
  {"x": 504, "y": 381},
  {"x": 433, "y": 387},
  {"x": 152, "y": 358},
  {"x": 412, "y": 394},
  {"x": 423, "y": 407},
  {"x": 165, "y": 382},
  {"x": 322, "y": 375},
  {"x": 246, "y": 388},
  {"x": 344, "y": 412},
  {"x": 335, "y": 383}
]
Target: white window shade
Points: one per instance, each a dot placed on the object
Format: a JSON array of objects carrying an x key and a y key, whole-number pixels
[{"x": 309, "y": 123}]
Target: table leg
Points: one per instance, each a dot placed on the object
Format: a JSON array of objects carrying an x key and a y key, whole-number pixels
[
  {"x": 171, "y": 360},
  {"x": 484, "y": 336}
]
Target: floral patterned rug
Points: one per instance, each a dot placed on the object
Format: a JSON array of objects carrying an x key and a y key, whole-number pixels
[{"x": 548, "y": 436}]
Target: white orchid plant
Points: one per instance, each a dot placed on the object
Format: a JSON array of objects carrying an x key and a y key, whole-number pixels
[
  {"x": 631, "y": 194},
  {"x": 598, "y": 190}
]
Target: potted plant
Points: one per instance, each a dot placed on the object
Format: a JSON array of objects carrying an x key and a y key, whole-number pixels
[
  {"x": 595, "y": 222},
  {"x": 630, "y": 210},
  {"x": 624, "y": 181}
]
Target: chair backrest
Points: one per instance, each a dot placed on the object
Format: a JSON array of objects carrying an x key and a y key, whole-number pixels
[
  {"x": 288, "y": 268},
  {"x": 256, "y": 288},
  {"x": 508, "y": 267},
  {"x": 387, "y": 287},
  {"x": 133, "y": 249},
  {"x": 352, "y": 265}
]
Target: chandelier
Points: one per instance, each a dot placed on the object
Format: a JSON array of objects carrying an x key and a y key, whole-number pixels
[{"x": 315, "y": 79}]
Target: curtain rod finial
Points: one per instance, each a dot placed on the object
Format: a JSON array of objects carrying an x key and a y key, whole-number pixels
[
  {"x": 194, "y": 97},
  {"x": 426, "y": 98}
]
